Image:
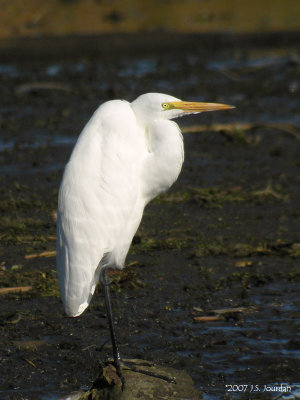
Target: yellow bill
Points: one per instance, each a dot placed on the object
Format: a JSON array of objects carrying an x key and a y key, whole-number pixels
[{"x": 195, "y": 106}]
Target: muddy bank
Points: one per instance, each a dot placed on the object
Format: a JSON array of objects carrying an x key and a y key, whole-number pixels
[
  {"x": 60, "y": 17},
  {"x": 212, "y": 284}
]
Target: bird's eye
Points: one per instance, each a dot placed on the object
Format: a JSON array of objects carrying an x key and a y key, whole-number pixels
[{"x": 165, "y": 106}]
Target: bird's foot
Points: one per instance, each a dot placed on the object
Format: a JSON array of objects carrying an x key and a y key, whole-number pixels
[
  {"x": 120, "y": 374},
  {"x": 117, "y": 369},
  {"x": 146, "y": 368}
]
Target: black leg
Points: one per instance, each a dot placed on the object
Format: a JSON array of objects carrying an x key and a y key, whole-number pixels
[{"x": 116, "y": 354}]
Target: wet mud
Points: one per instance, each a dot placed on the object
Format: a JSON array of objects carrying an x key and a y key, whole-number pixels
[{"x": 212, "y": 279}]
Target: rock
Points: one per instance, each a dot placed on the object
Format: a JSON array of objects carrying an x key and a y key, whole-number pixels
[{"x": 143, "y": 380}]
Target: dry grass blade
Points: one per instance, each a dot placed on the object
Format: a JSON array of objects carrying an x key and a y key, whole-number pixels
[
  {"x": 30, "y": 363},
  {"x": 229, "y": 310},
  {"x": 16, "y": 289},
  {"x": 51, "y": 253},
  {"x": 209, "y": 318}
]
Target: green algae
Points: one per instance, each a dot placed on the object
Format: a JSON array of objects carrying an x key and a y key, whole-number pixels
[
  {"x": 41, "y": 283},
  {"x": 265, "y": 247},
  {"x": 149, "y": 244},
  {"x": 215, "y": 197}
]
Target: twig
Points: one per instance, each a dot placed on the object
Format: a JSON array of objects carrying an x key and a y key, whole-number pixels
[{"x": 269, "y": 191}]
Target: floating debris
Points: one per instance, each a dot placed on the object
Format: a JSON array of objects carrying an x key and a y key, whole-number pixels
[
  {"x": 33, "y": 86},
  {"x": 244, "y": 263}
]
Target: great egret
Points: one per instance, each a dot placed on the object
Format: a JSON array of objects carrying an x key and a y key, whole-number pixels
[{"x": 127, "y": 154}]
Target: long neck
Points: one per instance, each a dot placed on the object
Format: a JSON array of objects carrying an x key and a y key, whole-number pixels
[{"x": 164, "y": 161}]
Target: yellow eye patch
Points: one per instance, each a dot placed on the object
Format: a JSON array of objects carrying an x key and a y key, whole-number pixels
[{"x": 167, "y": 106}]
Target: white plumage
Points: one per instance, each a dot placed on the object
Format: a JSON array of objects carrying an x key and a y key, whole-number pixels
[{"x": 127, "y": 154}]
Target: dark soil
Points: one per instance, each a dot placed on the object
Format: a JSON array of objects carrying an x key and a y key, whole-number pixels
[{"x": 222, "y": 243}]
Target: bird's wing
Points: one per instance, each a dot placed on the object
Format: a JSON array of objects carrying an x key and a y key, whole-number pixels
[
  {"x": 99, "y": 194},
  {"x": 162, "y": 165}
]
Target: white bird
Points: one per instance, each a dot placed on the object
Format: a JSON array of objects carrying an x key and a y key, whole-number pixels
[{"x": 127, "y": 154}]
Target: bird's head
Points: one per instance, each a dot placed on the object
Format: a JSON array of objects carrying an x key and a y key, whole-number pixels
[{"x": 151, "y": 106}]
